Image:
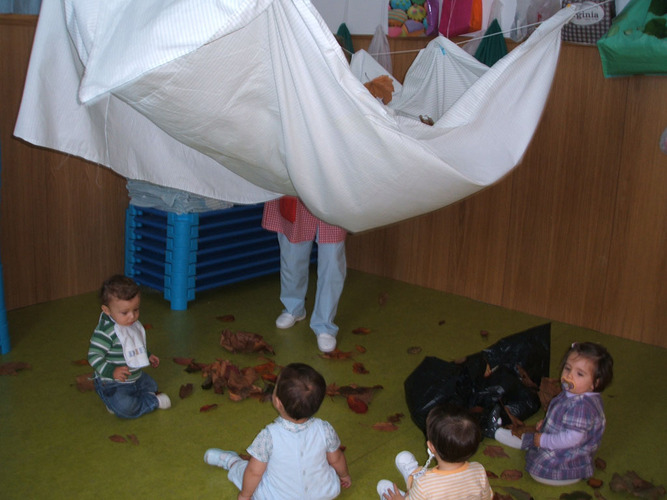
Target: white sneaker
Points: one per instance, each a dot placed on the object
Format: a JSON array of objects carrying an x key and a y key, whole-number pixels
[
  {"x": 384, "y": 487},
  {"x": 221, "y": 458},
  {"x": 406, "y": 463},
  {"x": 163, "y": 401},
  {"x": 286, "y": 320},
  {"x": 326, "y": 342}
]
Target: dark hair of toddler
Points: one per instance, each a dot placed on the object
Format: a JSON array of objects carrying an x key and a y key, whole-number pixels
[
  {"x": 453, "y": 432},
  {"x": 118, "y": 287},
  {"x": 301, "y": 390},
  {"x": 599, "y": 356}
]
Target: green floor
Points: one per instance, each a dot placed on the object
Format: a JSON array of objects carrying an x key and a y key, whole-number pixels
[{"x": 54, "y": 440}]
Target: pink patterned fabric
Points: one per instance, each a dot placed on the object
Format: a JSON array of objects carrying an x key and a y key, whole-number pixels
[{"x": 304, "y": 227}]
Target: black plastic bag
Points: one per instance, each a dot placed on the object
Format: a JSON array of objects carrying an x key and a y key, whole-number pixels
[{"x": 504, "y": 376}]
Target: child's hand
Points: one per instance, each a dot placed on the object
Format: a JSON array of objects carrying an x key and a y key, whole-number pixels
[
  {"x": 154, "y": 361},
  {"x": 393, "y": 494},
  {"x": 345, "y": 481},
  {"x": 121, "y": 373},
  {"x": 539, "y": 425}
]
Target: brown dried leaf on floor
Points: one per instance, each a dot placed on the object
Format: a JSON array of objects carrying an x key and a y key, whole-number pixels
[
  {"x": 491, "y": 475},
  {"x": 336, "y": 354},
  {"x": 13, "y": 367},
  {"x": 494, "y": 451},
  {"x": 517, "y": 426},
  {"x": 484, "y": 334},
  {"x": 183, "y": 361},
  {"x": 549, "y": 389},
  {"x": 631, "y": 483},
  {"x": 84, "y": 383},
  {"x": 362, "y": 330},
  {"x": 357, "y": 405},
  {"x": 575, "y": 495},
  {"x": 511, "y": 475},
  {"x": 395, "y": 418},
  {"x": 194, "y": 367},
  {"x": 382, "y": 298},
  {"x": 81, "y": 362},
  {"x": 185, "y": 391},
  {"x": 600, "y": 464},
  {"x": 132, "y": 438},
  {"x": 226, "y": 318},
  {"x": 594, "y": 482},
  {"x": 359, "y": 369},
  {"x": 206, "y": 408},
  {"x": 117, "y": 438},
  {"x": 442, "y": 322},
  {"x": 385, "y": 426},
  {"x": 517, "y": 494},
  {"x": 382, "y": 87},
  {"x": 360, "y": 348},
  {"x": 237, "y": 342},
  {"x": 525, "y": 378},
  {"x": 223, "y": 375},
  {"x": 415, "y": 349}
]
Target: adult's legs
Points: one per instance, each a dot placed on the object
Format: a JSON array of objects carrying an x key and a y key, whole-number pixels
[
  {"x": 331, "y": 272},
  {"x": 294, "y": 263}
]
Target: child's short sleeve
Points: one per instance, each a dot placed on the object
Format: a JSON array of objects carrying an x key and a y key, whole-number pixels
[
  {"x": 262, "y": 446},
  {"x": 332, "y": 439}
]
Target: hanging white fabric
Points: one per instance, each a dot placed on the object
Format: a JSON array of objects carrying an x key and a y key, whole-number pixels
[{"x": 267, "y": 105}]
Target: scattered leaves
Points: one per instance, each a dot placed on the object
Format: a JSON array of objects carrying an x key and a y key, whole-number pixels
[
  {"x": 13, "y": 367},
  {"x": 382, "y": 298},
  {"x": 81, "y": 362},
  {"x": 631, "y": 483},
  {"x": 244, "y": 342},
  {"x": 441, "y": 322},
  {"x": 600, "y": 464},
  {"x": 206, "y": 408},
  {"x": 133, "y": 439},
  {"x": 117, "y": 438},
  {"x": 227, "y": 318},
  {"x": 185, "y": 391},
  {"x": 395, "y": 418},
  {"x": 84, "y": 383},
  {"x": 511, "y": 475},
  {"x": 494, "y": 451},
  {"x": 415, "y": 349},
  {"x": 240, "y": 383},
  {"x": 194, "y": 367},
  {"x": 359, "y": 369},
  {"x": 491, "y": 475},
  {"x": 362, "y": 330},
  {"x": 360, "y": 348},
  {"x": 358, "y": 398},
  {"x": 484, "y": 334}
]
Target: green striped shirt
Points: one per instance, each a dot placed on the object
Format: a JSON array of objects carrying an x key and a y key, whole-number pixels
[{"x": 105, "y": 352}]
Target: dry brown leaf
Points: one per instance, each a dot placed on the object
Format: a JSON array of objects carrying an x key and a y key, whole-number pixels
[
  {"x": 491, "y": 475},
  {"x": 185, "y": 391},
  {"x": 206, "y": 408},
  {"x": 117, "y": 438},
  {"x": 356, "y": 405},
  {"x": 600, "y": 464},
  {"x": 395, "y": 418},
  {"x": 227, "y": 318},
  {"x": 84, "y": 383},
  {"x": 631, "y": 483},
  {"x": 336, "y": 354},
  {"x": 183, "y": 361},
  {"x": 381, "y": 87},
  {"x": 511, "y": 475},
  {"x": 133, "y": 439},
  {"x": 594, "y": 482},
  {"x": 494, "y": 451},
  {"x": 13, "y": 367},
  {"x": 360, "y": 348},
  {"x": 415, "y": 349},
  {"x": 237, "y": 342},
  {"x": 81, "y": 362},
  {"x": 385, "y": 426},
  {"x": 362, "y": 330},
  {"x": 359, "y": 369},
  {"x": 549, "y": 389}
]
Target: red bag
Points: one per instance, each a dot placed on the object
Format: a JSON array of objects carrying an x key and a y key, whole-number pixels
[
  {"x": 460, "y": 16},
  {"x": 287, "y": 206}
]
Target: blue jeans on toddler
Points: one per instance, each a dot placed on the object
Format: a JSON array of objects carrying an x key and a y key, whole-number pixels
[{"x": 129, "y": 400}]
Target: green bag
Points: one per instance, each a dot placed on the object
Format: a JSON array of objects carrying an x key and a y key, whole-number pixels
[{"x": 635, "y": 43}]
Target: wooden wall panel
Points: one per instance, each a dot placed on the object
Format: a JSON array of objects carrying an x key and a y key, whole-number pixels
[{"x": 61, "y": 218}]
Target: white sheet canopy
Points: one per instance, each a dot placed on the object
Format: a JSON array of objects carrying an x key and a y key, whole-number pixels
[{"x": 243, "y": 101}]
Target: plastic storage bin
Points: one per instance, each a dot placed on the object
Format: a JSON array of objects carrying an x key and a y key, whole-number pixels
[{"x": 181, "y": 254}]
